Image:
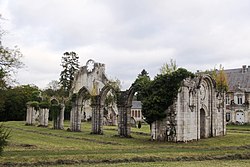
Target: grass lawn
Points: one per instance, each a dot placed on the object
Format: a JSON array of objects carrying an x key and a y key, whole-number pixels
[{"x": 37, "y": 146}]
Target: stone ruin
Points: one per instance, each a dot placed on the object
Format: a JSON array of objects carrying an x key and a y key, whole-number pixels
[
  {"x": 41, "y": 115},
  {"x": 198, "y": 111},
  {"x": 89, "y": 92},
  {"x": 31, "y": 115},
  {"x": 58, "y": 113}
]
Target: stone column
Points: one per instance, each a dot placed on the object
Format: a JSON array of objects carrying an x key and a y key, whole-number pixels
[
  {"x": 31, "y": 116},
  {"x": 75, "y": 118},
  {"x": 61, "y": 123},
  {"x": 123, "y": 115},
  {"x": 97, "y": 115},
  {"x": 58, "y": 116},
  {"x": 43, "y": 117},
  {"x": 128, "y": 118}
]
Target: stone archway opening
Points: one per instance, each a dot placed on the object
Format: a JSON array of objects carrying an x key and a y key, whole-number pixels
[
  {"x": 81, "y": 110},
  {"x": 202, "y": 123},
  {"x": 104, "y": 109}
]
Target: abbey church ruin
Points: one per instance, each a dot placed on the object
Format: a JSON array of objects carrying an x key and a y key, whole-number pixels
[{"x": 198, "y": 110}]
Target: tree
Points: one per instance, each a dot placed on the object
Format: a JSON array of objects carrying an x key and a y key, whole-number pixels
[
  {"x": 53, "y": 88},
  {"x": 221, "y": 79},
  {"x": 142, "y": 84},
  {"x": 168, "y": 68},
  {"x": 70, "y": 64},
  {"x": 159, "y": 94},
  {"x": 9, "y": 61},
  {"x": 15, "y": 99}
]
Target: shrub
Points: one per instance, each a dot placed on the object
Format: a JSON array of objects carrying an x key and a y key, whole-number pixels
[{"x": 4, "y": 135}]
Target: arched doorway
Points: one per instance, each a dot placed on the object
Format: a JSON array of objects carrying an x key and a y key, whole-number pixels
[
  {"x": 240, "y": 117},
  {"x": 99, "y": 103},
  {"x": 202, "y": 123},
  {"x": 79, "y": 108}
]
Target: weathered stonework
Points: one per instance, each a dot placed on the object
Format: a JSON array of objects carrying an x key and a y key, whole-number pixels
[
  {"x": 110, "y": 118},
  {"x": 124, "y": 104},
  {"x": 97, "y": 116},
  {"x": 59, "y": 118},
  {"x": 43, "y": 117},
  {"x": 90, "y": 82},
  {"x": 31, "y": 115},
  {"x": 198, "y": 112},
  {"x": 57, "y": 111}
]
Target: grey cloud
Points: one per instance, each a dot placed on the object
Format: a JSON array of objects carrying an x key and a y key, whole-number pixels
[{"x": 131, "y": 35}]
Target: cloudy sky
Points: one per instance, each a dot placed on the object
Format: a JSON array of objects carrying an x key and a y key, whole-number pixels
[{"x": 126, "y": 35}]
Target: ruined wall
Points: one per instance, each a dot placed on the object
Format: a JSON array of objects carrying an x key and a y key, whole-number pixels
[
  {"x": 89, "y": 80},
  {"x": 93, "y": 80},
  {"x": 198, "y": 112}
]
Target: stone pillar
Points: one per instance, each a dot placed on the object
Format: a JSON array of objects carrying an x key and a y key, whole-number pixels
[
  {"x": 61, "y": 123},
  {"x": 75, "y": 118},
  {"x": 97, "y": 115},
  {"x": 128, "y": 118},
  {"x": 123, "y": 115},
  {"x": 58, "y": 116},
  {"x": 31, "y": 116},
  {"x": 43, "y": 117}
]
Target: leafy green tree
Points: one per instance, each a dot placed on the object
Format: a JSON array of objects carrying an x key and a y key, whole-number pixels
[
  {"x": 168, "y": 68},
  {"x": 142, "y": 84},
  {"x": 14, "y": 105},
  {"x": 9, "y": 62},
  {"x": 70, "y": 63},
  {"x": 53, "y": 89},
  {"x": 221, "y": 79},
  {"x": 159, "y": 94}
]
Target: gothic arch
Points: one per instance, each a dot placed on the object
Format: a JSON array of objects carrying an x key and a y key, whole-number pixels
[
  {"x": 207, "y": 93},
  {"x": 54, "y": 100},
  {"x": 131, "y": 93},
  {"x": 83, "y": 93},
  {"x": 77, "y": 105},
  {"x": 98, "y": 104},
  {"x": 104, "y": 92}
]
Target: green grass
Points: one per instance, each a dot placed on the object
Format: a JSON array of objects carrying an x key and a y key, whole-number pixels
[{"x": 37, "y": 146}]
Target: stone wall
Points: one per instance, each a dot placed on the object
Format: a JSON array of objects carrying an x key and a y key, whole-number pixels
[
  {"x": 198, "y": 112},
  {"x": 86, "y": 83}
]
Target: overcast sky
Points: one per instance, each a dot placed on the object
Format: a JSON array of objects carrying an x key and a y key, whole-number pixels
[{"x": 126, "y": 35}]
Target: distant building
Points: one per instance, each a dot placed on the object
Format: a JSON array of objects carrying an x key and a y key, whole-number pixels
[
  {"x": 136, "y": 112},
  {"x": 238, "y": 96}
]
